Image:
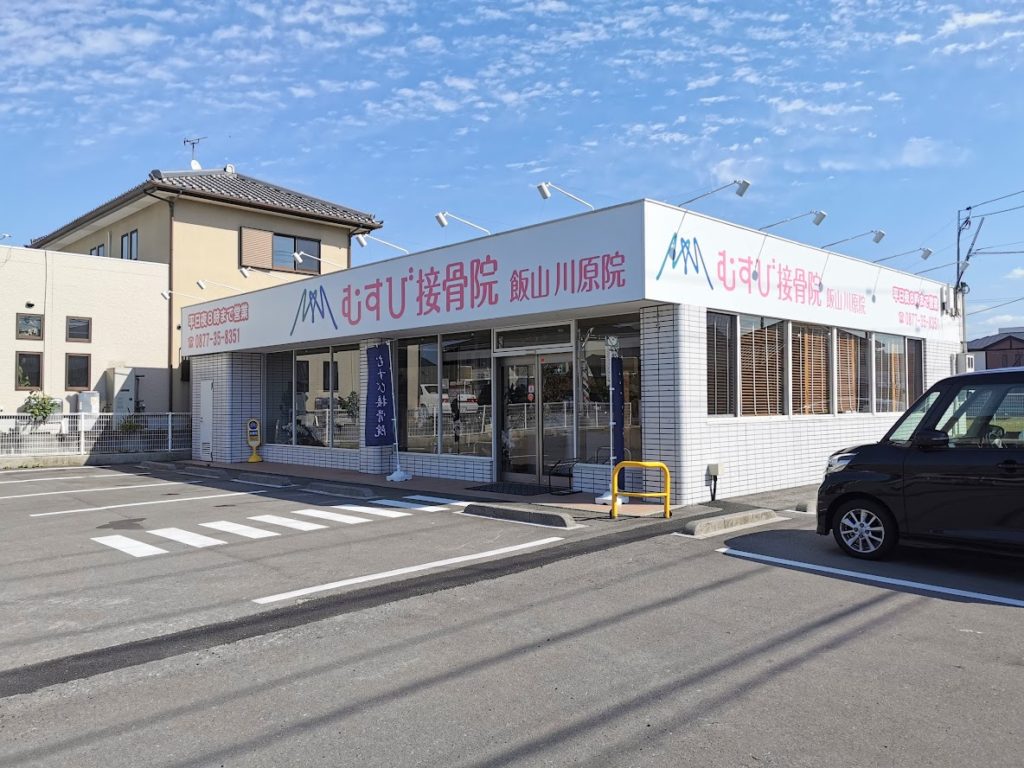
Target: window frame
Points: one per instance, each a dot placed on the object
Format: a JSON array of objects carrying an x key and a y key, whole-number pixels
[
  {"x": 67, "y": 330},
  {"x": 67, "y": 372},
  {"x": 17, "y": 364},
  {"x": 294, "y": 267},
  {"x": 19, "y": 336},
  {"x": 130, "y": 245},
  {"x": 732, "y": 372}
]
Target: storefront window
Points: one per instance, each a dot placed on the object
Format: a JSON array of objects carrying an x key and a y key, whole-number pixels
[
  {"x": 594, "y": 438},
  {"x": 890, "y": 373},
  {"x": 466, "y": 393},
  {"x": 721, "y": 343},
  {"x": 915, "y": 369},
  {"x": 762, "y": 365},
  {"x": 812, "y": 391},
  {"x": 277, "y": 420},
  {"x": 853, "y": 372},
  {"x": 419, "y": 409},
  {"x": 346, "y": 399},
  {"x": 312, "y": 397}
]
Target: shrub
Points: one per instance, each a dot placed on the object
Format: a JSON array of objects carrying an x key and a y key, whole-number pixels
[{"x": 40, "y": 406}]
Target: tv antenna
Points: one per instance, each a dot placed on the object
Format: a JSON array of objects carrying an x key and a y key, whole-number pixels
[{"x": 192, "y": 143}]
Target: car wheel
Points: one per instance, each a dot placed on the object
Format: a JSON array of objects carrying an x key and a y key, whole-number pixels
[{"x": 864, "y": 529}]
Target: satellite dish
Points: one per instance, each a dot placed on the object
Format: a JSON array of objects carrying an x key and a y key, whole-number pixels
[{"x": 195, "y": 165}]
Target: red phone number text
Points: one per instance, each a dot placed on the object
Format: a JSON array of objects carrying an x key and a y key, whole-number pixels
[{"x": 214, "y": 339}]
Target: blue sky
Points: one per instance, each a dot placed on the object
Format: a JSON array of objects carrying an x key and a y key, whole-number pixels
[{"x": 888, "y": 115}]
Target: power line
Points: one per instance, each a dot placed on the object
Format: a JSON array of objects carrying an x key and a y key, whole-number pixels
[
  {"x": 997, "y": 199},
  {"x": 995, "y": 306}
]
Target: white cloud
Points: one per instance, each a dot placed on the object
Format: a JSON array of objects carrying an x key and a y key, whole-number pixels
[
  {"x": 463, "y": 84},
  {"x": 892, "y": 96},
  {"x": 706, "y": 82},
  {"x": 302, "y": 91},
  {"x": 428, "y": 44},
  {"x": 922, "y": 152},
  {"x": 904, "y": 37},
  {"x": 959, "y": 21},
  {"x": 1016, "y": 273},
  {"x": 720, "y": 99},
  {"x": 830, "y": 110}
]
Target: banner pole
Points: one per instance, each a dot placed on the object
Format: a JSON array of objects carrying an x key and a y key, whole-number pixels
[{"x": 399, "y": 475}]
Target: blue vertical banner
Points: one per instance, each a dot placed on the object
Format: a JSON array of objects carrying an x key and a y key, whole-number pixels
[
  {"x": 380, "y": 401},
  {"x": 618, "y": 410}
]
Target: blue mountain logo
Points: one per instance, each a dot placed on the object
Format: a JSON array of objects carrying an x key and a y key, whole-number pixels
[{"x": 313, "y": 307}]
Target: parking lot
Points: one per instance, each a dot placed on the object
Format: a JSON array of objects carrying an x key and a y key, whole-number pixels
[
  {"x": 94, "y": 557},
  {"x": 760, "y": 647}
]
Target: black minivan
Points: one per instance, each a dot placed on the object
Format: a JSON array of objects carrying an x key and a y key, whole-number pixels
[{"x": 951, "y": 470}]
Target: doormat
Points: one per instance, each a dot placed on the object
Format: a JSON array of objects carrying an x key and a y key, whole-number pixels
[{"x": 512, "y": 489}]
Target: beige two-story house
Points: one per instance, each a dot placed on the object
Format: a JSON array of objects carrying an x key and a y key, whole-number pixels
[{"x": 219, "y": 232}]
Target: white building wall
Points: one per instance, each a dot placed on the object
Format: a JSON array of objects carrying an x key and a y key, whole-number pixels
[
  {"x": 237, "y": 396},
  {"x": 122, "y": 298}
]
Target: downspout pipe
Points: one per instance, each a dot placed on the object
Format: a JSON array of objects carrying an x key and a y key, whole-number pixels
[{"x": 171, "y": 319}]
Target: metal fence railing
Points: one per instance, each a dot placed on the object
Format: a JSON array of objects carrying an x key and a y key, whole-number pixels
[{"x": 87, "y": 433}]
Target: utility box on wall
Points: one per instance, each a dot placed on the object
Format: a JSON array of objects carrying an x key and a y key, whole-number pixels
[{"x": 964, "y": 362}]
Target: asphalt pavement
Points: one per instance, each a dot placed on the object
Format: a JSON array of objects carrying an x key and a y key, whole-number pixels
[{"x": 602, "y": 645}]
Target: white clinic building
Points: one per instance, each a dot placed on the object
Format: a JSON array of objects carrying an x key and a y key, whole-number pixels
[{"x": 742, "y": 352}]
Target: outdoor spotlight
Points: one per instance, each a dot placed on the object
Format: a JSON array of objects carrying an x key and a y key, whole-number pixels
[
  {"x": 545, "y": 190},
  {"x": 819, "y": 216},
  {"x": 166, "y": 295},
  {"x": 926, "y": 252},
  {"x": 742, "y": 185},
  {"x": 298, "y": 257},
  {"x": 361, "y": 239},
  {"x": 879, "y": 234},
  {"x": 201, "y": 284},
  {"x": 442, "y": 219}
]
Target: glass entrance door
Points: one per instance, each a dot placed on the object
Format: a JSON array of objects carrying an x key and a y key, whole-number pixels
[{"x": 537, "y": 415}]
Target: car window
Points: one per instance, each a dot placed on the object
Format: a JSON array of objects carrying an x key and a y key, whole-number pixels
[
  {"x": 1007, "y": 424},
  {"x": 905, "y": 428},
  {"x": 984, "y": 416}
]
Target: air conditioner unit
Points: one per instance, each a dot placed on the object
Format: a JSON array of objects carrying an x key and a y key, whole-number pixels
[{"x": 964, "y": 362}]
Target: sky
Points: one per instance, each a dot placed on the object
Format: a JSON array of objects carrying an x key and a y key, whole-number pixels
[{"x": 887, "y": 115}]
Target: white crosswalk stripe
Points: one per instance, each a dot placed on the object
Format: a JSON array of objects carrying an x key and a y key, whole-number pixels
[
  {"x": 377, "y": 511},
  {"x": 419, "y": 507},
  {"x": 130, "y": 546},
  {"x": 186, "y": 537},
  {"x": 287, "y": 522},
  {"x": 440, "y": 500},
  {"x": 335, "y": 516},
  {"x": 242, "y": 530}
]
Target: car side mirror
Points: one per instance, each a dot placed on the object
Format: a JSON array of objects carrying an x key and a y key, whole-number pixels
[{"x": 931, "y": 438}]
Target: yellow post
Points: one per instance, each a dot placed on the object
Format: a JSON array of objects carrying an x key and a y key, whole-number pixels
[{"x": 664, "y": 494}]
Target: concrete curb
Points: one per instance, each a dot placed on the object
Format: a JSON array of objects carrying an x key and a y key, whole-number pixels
[
  {"x": 342, "y": 490},
  {"x": 210, "y": 474},
  {"x": 254, "y": 478},
  {"x": 711, "y": 525},
  {"x": 83, "y": 460},
  {"x": 522, "y": 515},
  {"x": 164, "y": 466},
  {"x": 810, "y": 507}
]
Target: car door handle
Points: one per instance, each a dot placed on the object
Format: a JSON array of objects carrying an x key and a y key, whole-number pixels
[{"x": 1009, "y": 466}]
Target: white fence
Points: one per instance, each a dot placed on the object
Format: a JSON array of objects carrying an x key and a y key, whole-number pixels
[{"x": 87, "y": 433}]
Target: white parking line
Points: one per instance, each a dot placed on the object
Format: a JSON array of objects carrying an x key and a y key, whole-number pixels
[
  {"x": 440, "y": 500},
  {"x": 145, "y": 503},
  {"x": 186, "y": 537},
  {"x": 335, "y": 516},
  {"x": 287, "y": 522},
  {"x": 74, "y": 477},
  {"x": 98, "y": 490},
  {"x": 130, "y": 546},
  {"x": 407, "y": 569},
  {"x": 241, "y": 530},
  {"x": 370, "y": 510},
  {"x": 918, "y": 585}
]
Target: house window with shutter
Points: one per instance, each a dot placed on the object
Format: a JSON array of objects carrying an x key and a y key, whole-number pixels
[
  {"x": 256, "y": 248},
  {"x": 890, "y": 373},
  {"x": 811, "y": 370},
  {"x": 721, "y": 341},
  {"x": 762, "y": 365}
]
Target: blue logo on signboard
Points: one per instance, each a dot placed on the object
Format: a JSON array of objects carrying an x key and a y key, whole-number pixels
[
  {"x": 688, "y": 251},
  {"x": 313, "y": 307}
]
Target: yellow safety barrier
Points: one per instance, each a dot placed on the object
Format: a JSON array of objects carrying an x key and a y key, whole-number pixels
[{"x": 645, "y": 494}]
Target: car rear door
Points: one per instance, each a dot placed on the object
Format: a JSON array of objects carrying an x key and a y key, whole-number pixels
[{"x": 973, "y": 489}]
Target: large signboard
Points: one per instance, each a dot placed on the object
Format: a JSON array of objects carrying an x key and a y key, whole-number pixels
[
  {"x": 692, "y": 259},
  {"x": 587, "y": 261}
]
